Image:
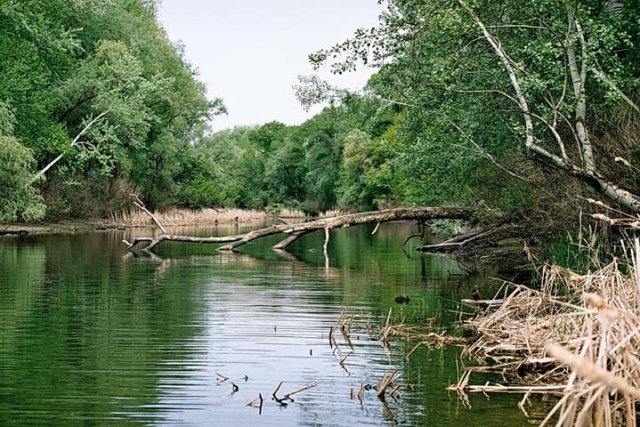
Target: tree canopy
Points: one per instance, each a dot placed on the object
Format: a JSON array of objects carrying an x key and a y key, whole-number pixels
[{"x": 65, "y": 63}]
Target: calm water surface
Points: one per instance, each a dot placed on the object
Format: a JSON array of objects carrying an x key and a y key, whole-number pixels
[{"x": 92, "y": 336}]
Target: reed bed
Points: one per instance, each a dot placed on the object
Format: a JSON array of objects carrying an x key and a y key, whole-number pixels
[
  {"x": 578, "y": 337},
  {"x": 175, "y": 217},
  {"x": 180, "y": 217}
]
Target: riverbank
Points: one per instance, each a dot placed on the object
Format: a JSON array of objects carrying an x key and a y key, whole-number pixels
[
  {"x": 64, "y": 227},
  {"x": 138, "y": 219}
]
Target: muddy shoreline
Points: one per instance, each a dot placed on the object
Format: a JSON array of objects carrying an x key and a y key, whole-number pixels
[
  {"x": 86, "y": 226},
  {"x": 64, "y": 227}
]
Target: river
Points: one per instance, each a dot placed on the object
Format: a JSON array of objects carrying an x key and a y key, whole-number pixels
[{"x": 91, "y": 335}]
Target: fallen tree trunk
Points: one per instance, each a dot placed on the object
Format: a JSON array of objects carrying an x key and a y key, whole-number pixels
[
  {"x": 454, "y": 243},
  {"x": 295, "y": 231}
]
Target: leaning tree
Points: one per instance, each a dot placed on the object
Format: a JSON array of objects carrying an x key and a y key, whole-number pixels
[{"x": 555, "y": 79}]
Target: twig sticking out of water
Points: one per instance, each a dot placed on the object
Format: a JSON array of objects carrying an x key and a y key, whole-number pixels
[
  {"x": 386, "y": 381},
  {"x": 383, "y": 336},
  {"x": 387, "y": 411},
  {"x": 282, "y": 401},
  {"x": 300, "y": 390},
  {"x": 394, "y": 391},
  {"x": 345, "y": 321},
  {"x": 275, "y": 396},
  {"x": 257, "y": 402},
  {"x": 331, "y": 337},
  {"x": 361, "y": 393},
  {"x": 344, "y": 359},
  {"x": 333, "y": 343},
  {"x": 221, "y": 377},
  {"x": 407, "y": 357}
]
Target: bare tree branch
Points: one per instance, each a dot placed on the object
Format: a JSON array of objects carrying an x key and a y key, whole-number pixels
[{"x": 73, "y": 143}]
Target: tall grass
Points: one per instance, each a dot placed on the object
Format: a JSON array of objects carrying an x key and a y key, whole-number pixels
[
  {"x": 578, "y": 335},
  {"x": 574, "y": 252},
  {"x": 210, "y": 217}
]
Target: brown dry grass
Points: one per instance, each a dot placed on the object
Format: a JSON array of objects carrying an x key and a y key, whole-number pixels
[
  {"x": 579, "y": 335},
  {"x": 172, "y": 217},
  {"x": 207, "y": 217}
]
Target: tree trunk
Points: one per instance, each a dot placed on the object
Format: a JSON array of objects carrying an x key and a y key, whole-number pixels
[{"x": 294, "y": 231}]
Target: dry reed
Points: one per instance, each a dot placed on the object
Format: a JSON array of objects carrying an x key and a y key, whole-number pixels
[
  {"x": 579, "y": 335},
  {"x": 179, "y": 217},
  {"x": 174, "y": 217}
]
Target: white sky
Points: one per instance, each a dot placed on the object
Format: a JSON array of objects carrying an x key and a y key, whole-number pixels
[{"x": 250, "y": 52}]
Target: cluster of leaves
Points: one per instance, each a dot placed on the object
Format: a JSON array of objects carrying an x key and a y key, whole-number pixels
[
  {"x": 64, "y": 63},
  {"x": 19, "y": 199}
]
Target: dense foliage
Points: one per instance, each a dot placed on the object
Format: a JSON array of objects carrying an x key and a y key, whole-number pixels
[
  {"x": 510, "y": 105},
  {"x": 340, "y": 157},
  {"x": 513, "y": 106},
  {"x": 507, "y": 102},
  {"x": 63, "y": 63}
]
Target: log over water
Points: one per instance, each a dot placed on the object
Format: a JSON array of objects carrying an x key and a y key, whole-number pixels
[{"x": 295, "y": 231}]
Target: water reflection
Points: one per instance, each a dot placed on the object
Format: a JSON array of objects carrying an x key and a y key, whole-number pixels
[{"x": 91, "y": 335}]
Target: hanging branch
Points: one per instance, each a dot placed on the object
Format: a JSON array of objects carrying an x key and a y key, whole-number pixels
[
  {"x": 486, "y": 155},
  {"x": 586, "y": 171}
]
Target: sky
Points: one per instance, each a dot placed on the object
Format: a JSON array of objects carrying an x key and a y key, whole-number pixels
[{"x": 250, "y": 52}]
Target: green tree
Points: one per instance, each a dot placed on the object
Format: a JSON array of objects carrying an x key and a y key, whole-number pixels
[
  {"x": 65, "y": 63},
  {"x": 505, "y": 84},
  {"x": 20, "y": 200},
  {"x": 366, "y": 173}
]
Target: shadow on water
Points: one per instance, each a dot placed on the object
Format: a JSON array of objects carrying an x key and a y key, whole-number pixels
[{"x": 93, "y": 336}]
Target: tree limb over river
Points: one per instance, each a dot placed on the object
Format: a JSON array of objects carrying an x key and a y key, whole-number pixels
[{"x": 295, "y": 231}]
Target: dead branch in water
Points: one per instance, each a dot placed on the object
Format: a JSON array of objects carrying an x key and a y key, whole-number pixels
[
  {"x": 300, "y": 390},
  {"x": 257, "y": 402},
  {"x": 274, "y": 395},
  {"x": 386, "y": 381},
  {"x": 294, "y": 231},
  {"x": 283, "y": 400},
  {"x": 138, "y": 203},
  {"x": 221, "y": 377}
]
